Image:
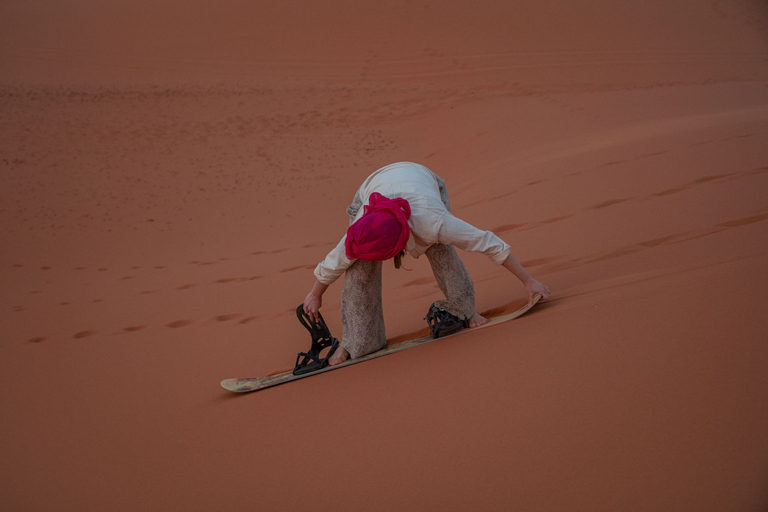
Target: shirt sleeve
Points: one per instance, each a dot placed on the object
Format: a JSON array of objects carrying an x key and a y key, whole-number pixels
[
  {"x": 456, "y": 232},
  {"x": 335, "y": 264}
]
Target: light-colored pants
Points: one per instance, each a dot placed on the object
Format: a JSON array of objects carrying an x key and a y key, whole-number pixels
[{"x": 362, "y": 314}]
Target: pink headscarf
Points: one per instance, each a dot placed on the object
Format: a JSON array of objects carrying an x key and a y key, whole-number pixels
[{"x": 382, "y": 232}]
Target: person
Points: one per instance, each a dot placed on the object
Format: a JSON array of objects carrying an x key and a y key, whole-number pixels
[{"x": 404, "y": 207}]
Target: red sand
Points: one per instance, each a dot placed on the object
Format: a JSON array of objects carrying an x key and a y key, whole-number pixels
[{"x": 171, "y": 175}]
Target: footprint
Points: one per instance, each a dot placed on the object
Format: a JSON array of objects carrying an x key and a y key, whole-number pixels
[
  {"x": 83, "y": 334},
  {"x": 178, "y": 323},
  {"x": 300, "y": 267},
  {"x": 606, "y": 204},
  {"x": 537, "y": 262},
  {"x": 624, "y": 251},
  {"x": 186, "y": 286},
  {"x": 134, "y": 328},
  {"x": 699, "y": 233},
  {"x": 508, "y": 227},
  {"x": 744, "y": 221},
  {"x": 556, "y": 219},
  {"x": 659, "y": 241},
  {"x": 224, "y": 318},
  {"x": 710, "y": 178}
]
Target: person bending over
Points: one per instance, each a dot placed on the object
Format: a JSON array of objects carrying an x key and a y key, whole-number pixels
[{"x": 404, "y": 207}]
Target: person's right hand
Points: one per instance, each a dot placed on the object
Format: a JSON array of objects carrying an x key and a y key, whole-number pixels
[{"x": 312, "y": 304}]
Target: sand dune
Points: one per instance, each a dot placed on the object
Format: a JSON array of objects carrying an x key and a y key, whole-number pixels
[{"x": 171, "y": 173}]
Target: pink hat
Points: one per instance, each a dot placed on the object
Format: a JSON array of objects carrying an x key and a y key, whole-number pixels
[{"x": 382, "y": 232}]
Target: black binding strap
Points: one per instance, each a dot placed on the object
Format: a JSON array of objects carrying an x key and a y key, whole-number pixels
[
  {"x": 442, "y": 323},
  {"x": 311, "y": 361}
]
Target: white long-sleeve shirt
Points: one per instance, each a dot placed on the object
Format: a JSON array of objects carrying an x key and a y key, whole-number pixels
[{"x": 430, "y": 220}]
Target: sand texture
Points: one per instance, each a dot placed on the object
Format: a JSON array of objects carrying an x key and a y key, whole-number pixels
[{"x": 171, "y": 172}]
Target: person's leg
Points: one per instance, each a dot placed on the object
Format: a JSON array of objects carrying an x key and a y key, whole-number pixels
[
  {"x": 451, "y": 274},
  {"x": 454, "y": 281},
  {"x": 362, "y": 313}
]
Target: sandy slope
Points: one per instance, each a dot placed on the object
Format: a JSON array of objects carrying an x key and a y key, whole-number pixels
[{"x": 171, "y": 174}]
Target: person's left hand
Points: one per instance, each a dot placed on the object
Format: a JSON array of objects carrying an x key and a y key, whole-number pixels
[{"x": 534, "y": 287}]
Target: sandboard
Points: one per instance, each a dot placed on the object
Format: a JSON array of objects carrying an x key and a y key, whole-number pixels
[{"x": 258, "y": 383}]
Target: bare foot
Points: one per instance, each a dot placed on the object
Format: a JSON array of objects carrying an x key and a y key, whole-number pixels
[
  {"x": 476, "y": 320},
  {"x": 339, "y": 356}
]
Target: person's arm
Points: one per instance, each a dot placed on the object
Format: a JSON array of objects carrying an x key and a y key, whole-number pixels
[
  {"x": 463, "y": 235},
  {"x": 326, "y": 273},
  {"x": 532, "y": 286},
  {"x": 334, "y": 264}
]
